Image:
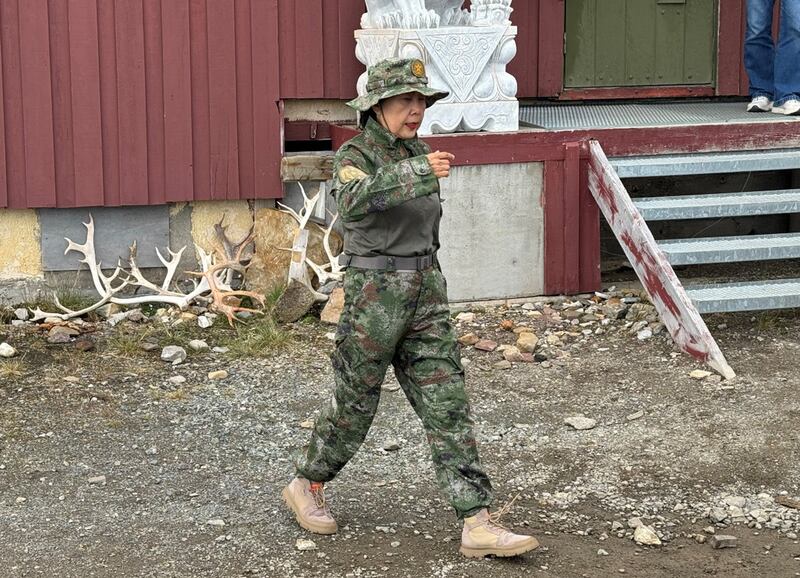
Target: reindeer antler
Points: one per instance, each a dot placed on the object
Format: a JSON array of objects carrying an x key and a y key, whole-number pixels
[
  {"x": 308, "y": 206},
  {"x": 336, "y": 270},
  {"x": 219, "y": 292},
  {"x": 212, "y": 279}
]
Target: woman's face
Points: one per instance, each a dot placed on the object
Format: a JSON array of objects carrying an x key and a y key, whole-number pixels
[{"x": 402, "y": 114}]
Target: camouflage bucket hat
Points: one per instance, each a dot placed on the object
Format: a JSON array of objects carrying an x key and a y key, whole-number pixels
[{"x": 395, "y": 76}]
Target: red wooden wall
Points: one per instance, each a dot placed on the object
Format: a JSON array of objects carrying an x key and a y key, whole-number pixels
[
  {"x": 131, "y": 102},
  {"x": 136, "y": 102},
  {"x": 318, "y": 49}
]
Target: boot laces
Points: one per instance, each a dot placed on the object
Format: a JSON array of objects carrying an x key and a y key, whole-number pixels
[
  {"x": 494, "y": 517},
  {"x": 317, "y": 490}
]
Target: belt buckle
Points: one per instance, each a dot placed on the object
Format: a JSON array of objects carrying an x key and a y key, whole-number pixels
[{"x": 390, "y": 263}]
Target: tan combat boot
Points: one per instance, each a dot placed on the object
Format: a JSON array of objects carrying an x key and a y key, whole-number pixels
[
  {"x": 307, "y": 501},
  {"x": 484, "y": 536}
]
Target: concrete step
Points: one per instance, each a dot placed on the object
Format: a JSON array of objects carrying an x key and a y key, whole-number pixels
[
  {"x": 719, "y": 205},
  {"x": 731, "y": 249},
  {"x": 707, "y": 163},
  {"x": 750, "y": 296}
]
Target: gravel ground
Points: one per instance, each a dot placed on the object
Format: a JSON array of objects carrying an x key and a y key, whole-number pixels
[{"x": 108, "y": 468}]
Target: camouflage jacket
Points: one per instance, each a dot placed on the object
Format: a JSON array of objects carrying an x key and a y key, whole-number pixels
[{"x": 387, "y": 195}]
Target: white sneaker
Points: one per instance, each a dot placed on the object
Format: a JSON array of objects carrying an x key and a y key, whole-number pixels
[
  {"x": 760, "y": 104},
  {"x": 790, "y": 108}
]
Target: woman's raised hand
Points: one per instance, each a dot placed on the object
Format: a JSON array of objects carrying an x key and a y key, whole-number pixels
[{"x": 440, "y": 163}]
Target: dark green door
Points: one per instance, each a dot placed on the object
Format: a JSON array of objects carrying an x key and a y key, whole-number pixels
[{"x": 639, "y": 42}]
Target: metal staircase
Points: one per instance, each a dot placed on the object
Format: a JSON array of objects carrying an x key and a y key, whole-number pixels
[
  {"x": 773, "y": 294},
  {"x": 680, "y": 307}
]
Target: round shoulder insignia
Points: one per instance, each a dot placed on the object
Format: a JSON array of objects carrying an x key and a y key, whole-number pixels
[{"x": 418, "y": 69}]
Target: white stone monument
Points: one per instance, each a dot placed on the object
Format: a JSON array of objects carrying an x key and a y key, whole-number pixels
[{"x": 465, "y": 53}]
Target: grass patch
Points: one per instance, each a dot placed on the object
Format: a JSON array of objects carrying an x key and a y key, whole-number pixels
[
  {"x": 150, "y": 309},
  {"x": 12, "y": 368},
  {"x": 254, "y": 338},
  {"x": 258, "y": 338},
  {"x": 768, "y": 320},
  {"x": 6, "y": 315},
  {"x": 271, "y": 298},
  {"x": 129, "y": 344},
  {"x": 181, "y": 333},
  {"x": 69, "y": 296},
  {"x": 73, "y": 299}
]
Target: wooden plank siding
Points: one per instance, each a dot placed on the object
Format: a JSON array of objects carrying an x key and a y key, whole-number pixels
[
  {"x": 317, "y": 51},
  {"x": 138, "y": 102},
  {"x": 317, "y": 48}
]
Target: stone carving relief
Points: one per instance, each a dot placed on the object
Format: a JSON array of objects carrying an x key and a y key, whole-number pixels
[
  {"x": 413, "y": 14},
  {"x": 491, "y": 12},
  {"x": 465, "y": 53}
]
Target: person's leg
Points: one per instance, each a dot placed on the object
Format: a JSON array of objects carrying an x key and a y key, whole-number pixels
[
  {"x": 428, "y": 367},
  {"x": 759, "y": 48},
  {"x": 787, "y": 54},
  {"x": 369, "y": 329}
]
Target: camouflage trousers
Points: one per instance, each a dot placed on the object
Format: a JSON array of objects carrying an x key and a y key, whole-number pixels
[{"x": 400, "y": 318}]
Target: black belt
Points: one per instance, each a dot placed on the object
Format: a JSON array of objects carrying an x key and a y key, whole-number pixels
[{"x": 389, "y": 262}]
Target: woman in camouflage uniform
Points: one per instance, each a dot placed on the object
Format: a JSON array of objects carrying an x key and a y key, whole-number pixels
[{"x": 386, "y": 183}]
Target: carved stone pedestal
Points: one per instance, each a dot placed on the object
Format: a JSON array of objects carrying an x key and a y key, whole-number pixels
[{"x": 467, "y": 61}]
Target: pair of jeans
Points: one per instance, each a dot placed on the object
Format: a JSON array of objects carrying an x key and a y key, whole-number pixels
[{"x": 774, "y": 71}]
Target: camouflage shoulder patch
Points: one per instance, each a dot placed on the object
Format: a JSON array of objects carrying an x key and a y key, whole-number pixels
[{"x": 350, "y": 173}]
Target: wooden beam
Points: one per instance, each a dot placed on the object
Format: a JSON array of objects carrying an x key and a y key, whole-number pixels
[
  {"x": 628, "y": 92},
  {"x": 528, "y": 146},
  {"x": 303, "y": 130},
  {"x": 307, "y": 168}
]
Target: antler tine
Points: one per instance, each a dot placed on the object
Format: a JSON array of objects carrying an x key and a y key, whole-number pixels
[
  {"x": 333, "y": 261},
  {"x": 291, "y": 211},
  {"x": 326, "y": 238},
  {"x": 89, "y": 258},
  {"x": 171, "y": 265},
  {"x": 212, "y": 276},
  {"x": 141, "y": 281},
  {"x": 308, "y": 205},
  {"x": 242, "y": 245}
]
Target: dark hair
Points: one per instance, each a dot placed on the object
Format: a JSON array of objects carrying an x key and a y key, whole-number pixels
[{"x": 363, "y": 117}]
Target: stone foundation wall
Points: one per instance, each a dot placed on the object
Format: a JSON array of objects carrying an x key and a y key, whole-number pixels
[
  {"x": 32, "y": 243},
  {"x": 492, "y": 235}
]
